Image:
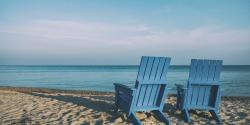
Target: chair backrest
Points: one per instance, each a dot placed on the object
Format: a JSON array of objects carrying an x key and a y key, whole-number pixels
[
  {"x": 203, "y": 82},
  {"x": 151, "y": 81},
  {"x": 153, "y": 69}
]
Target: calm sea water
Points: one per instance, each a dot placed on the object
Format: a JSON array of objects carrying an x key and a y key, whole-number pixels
[{"x": 235, "y": 79}]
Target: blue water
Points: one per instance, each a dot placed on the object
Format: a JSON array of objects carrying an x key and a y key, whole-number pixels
[{"x": 235, "y": 79}]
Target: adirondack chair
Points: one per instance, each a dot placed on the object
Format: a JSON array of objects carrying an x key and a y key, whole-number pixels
[
  {"x": 203, "y": 88},
  {"x": 150, "y": 89}
]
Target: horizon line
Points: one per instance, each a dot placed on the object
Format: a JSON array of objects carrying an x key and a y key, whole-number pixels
[{"x": 101, "y": 65}]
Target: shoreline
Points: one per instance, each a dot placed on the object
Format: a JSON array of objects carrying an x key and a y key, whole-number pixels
[
  {"x": 51, "y": 91},
  {"x": 27, "y": 105},
  {"x": 85, "y": 92}
]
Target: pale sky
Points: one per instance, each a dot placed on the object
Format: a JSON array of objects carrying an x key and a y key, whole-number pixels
[{"x": 107, "y": 32}]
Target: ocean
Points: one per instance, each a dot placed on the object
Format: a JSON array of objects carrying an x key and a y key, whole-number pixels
[{"x": 235, "y": 79}]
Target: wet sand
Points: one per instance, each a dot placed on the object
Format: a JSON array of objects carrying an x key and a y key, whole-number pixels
[{"x": 46, "y": 106}]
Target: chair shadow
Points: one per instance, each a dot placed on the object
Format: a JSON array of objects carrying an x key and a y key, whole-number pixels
[
  {"x": 100, "y": 106},
  {"x": 96, "y": 103},
  {"x": 171, "y": 111},
  {"x": 103, "y": 98}
]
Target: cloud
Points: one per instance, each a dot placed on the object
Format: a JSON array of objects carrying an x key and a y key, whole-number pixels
[
  {"x": 72, "y": 30},
  {"x": 51, "y": 38}
]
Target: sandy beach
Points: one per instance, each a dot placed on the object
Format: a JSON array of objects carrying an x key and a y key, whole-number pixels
[{"x": 45, "y": 106}]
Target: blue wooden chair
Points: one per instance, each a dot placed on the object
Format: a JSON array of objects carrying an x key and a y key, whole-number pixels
[
  {"x": 203, "y": 88},
  {"x": 150, "y": 91}
]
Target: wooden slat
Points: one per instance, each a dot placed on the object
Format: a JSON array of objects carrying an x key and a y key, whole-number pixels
[
  {"x": 153, "y": 94},
  {"x": 141, "y": 95},
  {"x": 218, "y": 70},
  {"x": 201, "y": 96},
  {"x": 157, "y": 94},
  {"x": 194, "y": 95},
  {"x": 206, "y": 95},
  {"x": 198, "y": 76},
  {"x": 165, "y": 69},
  {"x": 125, "y": 98},
  {"x": 148, "y": 69},
  {"x": 147, "y": 95},
  {"x": 192, "y": 72},
  {"x": 142, "y": 68},
  {"x": 211, "y": 71},
  {"x": 160, "y": 69},
  {"x": 198, "y": 91},
  {"x": 205, "y": 70},
  {"x": 137, "y": 93},
  {"x": 123, "y": 104},
  {"x": 154, "y": 69}
]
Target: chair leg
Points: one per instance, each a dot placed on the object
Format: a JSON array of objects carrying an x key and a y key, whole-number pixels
[
  {"x": 135, "y": 120},
  {"x": 178, "y": 104},
  {"x": 215, "y": 115},
  {"x": 161, "y": 116},
  {"x": 178, "y": 101},
  {"x": 186, "y": 115},
  {"x": 116, "y": 108},
  {"x": 116, "y": 101}
]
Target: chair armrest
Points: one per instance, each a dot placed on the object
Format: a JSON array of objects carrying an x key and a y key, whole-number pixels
[
  {"x": 125, "y": 88},
  {"x": 123, "y": 92}
]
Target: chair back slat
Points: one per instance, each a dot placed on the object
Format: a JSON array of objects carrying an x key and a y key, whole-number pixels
[{"x": 153, "y": 69}]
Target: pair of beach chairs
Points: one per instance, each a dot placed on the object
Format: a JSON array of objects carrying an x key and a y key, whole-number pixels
[{"x": 202, "y": 91}]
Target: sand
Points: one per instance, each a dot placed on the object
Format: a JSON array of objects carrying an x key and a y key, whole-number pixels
[{"x": 26, "y": 106}]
